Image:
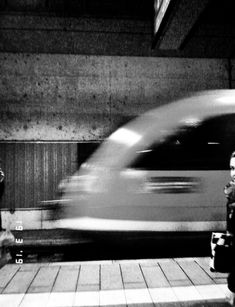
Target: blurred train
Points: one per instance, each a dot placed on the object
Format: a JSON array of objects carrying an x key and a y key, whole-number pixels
[{"x": 162, "y": 172}]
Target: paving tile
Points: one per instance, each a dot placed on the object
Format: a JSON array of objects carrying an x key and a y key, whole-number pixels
[
  {"x": 220, "y": 280},
  {"x": 11, "y": 300},
  {"x": 88, "y": 288},
  {"x": 204, "y": 262},
  {"x": 88, "y": 298},
  {"x": 188, "y": 293},
  {"x": 164, "y": 296},
  {"x": 195, "y": 273},
  {"x": 89, "y": 278},
  {"x": 6, "y": 274},
  {"x": 154, "y": 277},
  {"x": 138, "y": 297},
  {"x": 20, "y": 282},
  {"x": 132, "y": 276},
  {"x": 66, "y": 280},
  {"x": 209, "y": 292},
  {"x": 174, "y": 274},
  {"x": 144, "y": 262},
  {"x": 111, "y": 278},
  {"x": 44, "y": 280},
  {"x": 35, "y": 300},
  {"x": 61, "y": 299},
  {"x": 224, "y": 288},
  {"x": 31, "y": 266},
  {"x": 83, "y": 263},
  {"x": 112, "y": 298}
]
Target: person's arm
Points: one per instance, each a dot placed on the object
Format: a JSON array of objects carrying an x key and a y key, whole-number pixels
[
  {"x": 228, "y": 189},
  {"x": 2, "y": 176}
]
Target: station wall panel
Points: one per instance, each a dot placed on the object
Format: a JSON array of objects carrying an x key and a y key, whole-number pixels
[{"x": 34, "y": 170}]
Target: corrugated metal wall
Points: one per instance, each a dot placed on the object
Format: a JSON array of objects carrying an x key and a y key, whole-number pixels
[{"x": 33, "y": 171}]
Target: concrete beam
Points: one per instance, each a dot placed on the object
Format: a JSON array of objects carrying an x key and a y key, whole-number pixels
[{"x": 180, "y": 23}]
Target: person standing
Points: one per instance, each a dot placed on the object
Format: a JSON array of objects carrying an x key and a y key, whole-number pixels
[
  {"x": 229, "y": 191},
  {"x": 6, "y": 237}
]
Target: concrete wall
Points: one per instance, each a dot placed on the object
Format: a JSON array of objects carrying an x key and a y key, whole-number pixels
[
  {"x": 76, "y": 79},
  {"x": 79, "y": 97}
]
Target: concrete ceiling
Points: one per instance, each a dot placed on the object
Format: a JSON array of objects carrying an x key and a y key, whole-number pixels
[
  {"x": 198, "y": 27},
  {"x": 187, "y": 28},
  {"x": 194, "y": 28}
]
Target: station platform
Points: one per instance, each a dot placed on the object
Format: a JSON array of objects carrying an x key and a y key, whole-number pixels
[{"x": 149, "y": 282}]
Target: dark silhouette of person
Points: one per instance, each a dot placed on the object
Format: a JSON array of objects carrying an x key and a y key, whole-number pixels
[{"x": 229, "y": 191}]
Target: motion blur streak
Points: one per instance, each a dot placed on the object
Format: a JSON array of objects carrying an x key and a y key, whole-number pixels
[
  {"x": 163, "y": 171},
  {"x": 87, "y": 223}
]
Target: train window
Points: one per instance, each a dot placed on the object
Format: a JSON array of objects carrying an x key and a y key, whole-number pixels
[{"x": 207, "y": 146}]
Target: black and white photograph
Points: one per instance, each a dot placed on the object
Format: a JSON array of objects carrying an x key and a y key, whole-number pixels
[{"x": 117, "y": 153}]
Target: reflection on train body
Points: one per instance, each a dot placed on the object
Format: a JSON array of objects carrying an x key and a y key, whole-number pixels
[{"x": 164, "y": 171}]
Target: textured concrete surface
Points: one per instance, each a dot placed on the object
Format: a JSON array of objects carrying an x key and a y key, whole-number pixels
[{"x": 77, "y": 97}]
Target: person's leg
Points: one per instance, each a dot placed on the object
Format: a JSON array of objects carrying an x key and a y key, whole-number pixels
[
  {"x": 231, "y": 276},
  {"x": 231, "y": 287},
  {"x": 0, "y": 221},
  {"x": 231, "y": 281}
]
